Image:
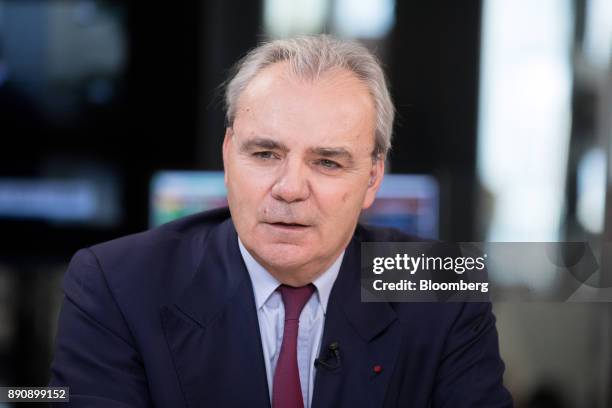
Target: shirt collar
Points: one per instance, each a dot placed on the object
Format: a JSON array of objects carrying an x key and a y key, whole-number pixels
[{"x": 264, "y": 284}]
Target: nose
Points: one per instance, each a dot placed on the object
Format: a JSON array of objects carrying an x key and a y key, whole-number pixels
[{"x": 292, "y": 184}]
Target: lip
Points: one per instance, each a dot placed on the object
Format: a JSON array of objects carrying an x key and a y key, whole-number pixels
[{"x": 279, "y": 226}]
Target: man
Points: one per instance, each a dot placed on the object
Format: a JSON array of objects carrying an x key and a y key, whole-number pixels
[{"x": 260, "y": 305}]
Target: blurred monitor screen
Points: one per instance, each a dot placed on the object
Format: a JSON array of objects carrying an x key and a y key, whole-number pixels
[
  {"x": 408, "y": 202},
  {"x": 175, "y": 194},
  {"x": 405, "y": 201},
  {"x": 91, "y": 202}
]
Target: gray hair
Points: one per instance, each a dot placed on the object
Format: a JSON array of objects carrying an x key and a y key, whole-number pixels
[{"x": 311, "y": 56}]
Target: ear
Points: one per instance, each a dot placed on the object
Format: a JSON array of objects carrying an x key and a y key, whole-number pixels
[
  {"x": 376, "y": 175},
  {"x": 227, "y": 140}
]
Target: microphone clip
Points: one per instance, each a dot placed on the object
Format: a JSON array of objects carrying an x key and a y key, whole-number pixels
[{"x": 333, "y": 352}]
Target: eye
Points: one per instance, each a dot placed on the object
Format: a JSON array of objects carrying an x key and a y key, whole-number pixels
[
  {"x": 328, "y": 164},
  {"x": 265, "y": 155}
]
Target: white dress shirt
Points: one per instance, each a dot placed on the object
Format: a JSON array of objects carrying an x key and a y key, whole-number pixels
[{"x": 271, "y": 317}]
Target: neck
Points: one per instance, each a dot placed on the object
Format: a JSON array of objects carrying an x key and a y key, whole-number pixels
[{"x": 300, "y": 275}]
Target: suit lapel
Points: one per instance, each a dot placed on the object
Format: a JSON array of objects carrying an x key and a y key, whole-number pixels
[
  {"x": 213, "y": 333},
  {"x": 367, "y": 337}
]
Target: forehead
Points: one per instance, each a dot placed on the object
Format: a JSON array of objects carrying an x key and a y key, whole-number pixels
[{"x": 335, "y": 108}]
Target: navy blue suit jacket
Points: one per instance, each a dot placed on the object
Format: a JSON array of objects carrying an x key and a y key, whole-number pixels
[{"x": 167, "y": 318}]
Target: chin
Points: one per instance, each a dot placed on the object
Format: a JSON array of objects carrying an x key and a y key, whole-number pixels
[{"x": 283, "y": 255}]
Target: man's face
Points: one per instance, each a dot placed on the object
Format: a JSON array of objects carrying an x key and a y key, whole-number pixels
[{"x": 299, "y": 169}]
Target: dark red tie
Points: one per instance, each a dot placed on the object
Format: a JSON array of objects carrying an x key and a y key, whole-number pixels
[{"x": 286, "y": 390}]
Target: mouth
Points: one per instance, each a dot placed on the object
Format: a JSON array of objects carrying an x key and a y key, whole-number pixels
[{"x": 288, "y": 226}]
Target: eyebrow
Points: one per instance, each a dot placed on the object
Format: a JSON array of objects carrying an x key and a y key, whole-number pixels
[{"x": 262, "y": 143}]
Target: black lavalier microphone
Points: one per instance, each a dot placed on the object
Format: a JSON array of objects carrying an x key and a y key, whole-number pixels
[{"x": 333, "y": 352}]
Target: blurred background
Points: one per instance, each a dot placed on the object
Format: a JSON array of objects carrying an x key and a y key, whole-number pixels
[{"x": 111, "y": 122}]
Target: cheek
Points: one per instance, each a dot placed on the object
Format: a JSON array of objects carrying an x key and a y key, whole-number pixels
[
  {"x": 245, "y": 176},
  {"x": 247, "y": 190},
  {"x": 340, "y": 199}
]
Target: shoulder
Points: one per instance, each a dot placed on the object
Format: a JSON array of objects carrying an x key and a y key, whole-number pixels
[
  {"x": 193, "y": 226},
  {"x": 155, "y": 264},
  {"x": 435, "y": 316},
  {"x": 191, "y": 231}
]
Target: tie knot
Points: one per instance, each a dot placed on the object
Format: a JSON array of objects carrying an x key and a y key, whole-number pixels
[{"x": 294, "y": 299}]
